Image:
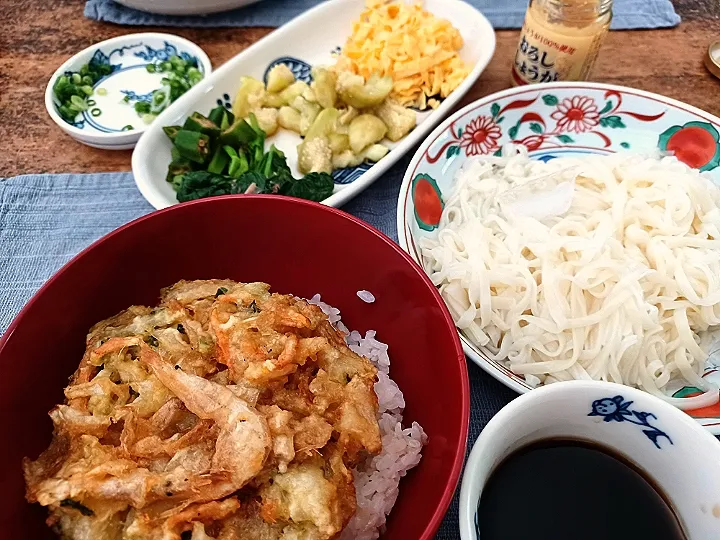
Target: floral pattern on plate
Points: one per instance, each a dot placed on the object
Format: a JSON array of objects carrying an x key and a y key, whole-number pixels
[
  {"x": 552, "y": 120},
  {"x": 127, "y": 83}
]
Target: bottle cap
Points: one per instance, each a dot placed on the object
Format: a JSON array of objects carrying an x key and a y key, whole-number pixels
[{"x": 712, "y": 58}]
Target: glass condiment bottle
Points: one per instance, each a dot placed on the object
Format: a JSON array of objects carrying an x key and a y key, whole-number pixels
[{"x": 560, "y": 40}]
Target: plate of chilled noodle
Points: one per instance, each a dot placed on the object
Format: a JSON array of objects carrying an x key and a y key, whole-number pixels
[{"x": 573, "y": 231}]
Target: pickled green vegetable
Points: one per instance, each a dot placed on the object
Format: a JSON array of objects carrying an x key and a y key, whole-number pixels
[
  {"x": 198, "y": 122},
  {"x": 192, "y": 145}
]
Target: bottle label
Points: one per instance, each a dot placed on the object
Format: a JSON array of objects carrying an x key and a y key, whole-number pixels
[{"x": 546, "y": 56}]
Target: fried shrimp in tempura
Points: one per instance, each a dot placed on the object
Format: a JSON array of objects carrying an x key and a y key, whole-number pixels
[{"x": 225, "y": 412}]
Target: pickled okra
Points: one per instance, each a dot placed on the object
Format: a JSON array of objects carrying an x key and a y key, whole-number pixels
[
  {"x": 217, "y": 114},
  {"x": 198, "y": 122},
  {"x": 239, "y": 133},
  {"x": 192, "y": 145},
  {"x": 178, "y": 167},
  {"x": 171, "y": 131}
]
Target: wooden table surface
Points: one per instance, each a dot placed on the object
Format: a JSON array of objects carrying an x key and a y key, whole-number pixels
[{"x": 37, "y": 38}]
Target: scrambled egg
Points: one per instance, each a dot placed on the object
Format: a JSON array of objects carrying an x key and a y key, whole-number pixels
[{"x": 418, "y": 50}]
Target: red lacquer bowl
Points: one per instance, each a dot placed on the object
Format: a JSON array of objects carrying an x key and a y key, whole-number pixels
[{"x": 298, "y": 247}]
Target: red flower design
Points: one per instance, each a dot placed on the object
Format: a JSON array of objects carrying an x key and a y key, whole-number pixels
[
  {"x": 578, "y": 114},
  {"x": 533, "y": 142},
  {"x": 480, "y": 136}
]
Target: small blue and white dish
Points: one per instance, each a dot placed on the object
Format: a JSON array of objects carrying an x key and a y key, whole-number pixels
[
  {"x": 676, "y": 455},
  {"x": 109, "y": 119}
]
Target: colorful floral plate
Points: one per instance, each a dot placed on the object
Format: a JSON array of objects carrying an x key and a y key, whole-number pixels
[
  {"x": 311, "y": 39},
  {"x": 553, "y": 120}
]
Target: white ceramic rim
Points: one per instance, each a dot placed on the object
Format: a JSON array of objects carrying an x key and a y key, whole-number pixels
[
  {"x": 341, "y": 197},
  {"x": 495, "y": 427},
  {"x": 485, "y": 364},
  {"x": 100, "y": 138},
  {"x": 174, "y": 7}
]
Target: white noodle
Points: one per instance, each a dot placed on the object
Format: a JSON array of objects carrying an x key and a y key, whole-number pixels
[{"x": 588, "y": 267}]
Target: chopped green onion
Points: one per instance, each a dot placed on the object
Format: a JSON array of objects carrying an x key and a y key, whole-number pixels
[
  {"x": 179, "y": 75},
  {"x": 67, "y": 113},
  {"x": 142, "y": 107},
  {"x": 101, "y": 91},
  {"x": 221, "y": 291},
  {"x": 158, "y": 97},
  {"x": 194, "y": 76},
  {"x": 79, "y": 103},
  {"x": 91, "y": 102},
  {"x": 128, "y": 128},
  {"x": 126, "y": 99},
  {"x": 73, "y": 88},
  {"x": 96, "y": 112}
]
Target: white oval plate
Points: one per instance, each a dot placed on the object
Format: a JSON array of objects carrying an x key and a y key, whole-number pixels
[
  {"x": 552, "y": 120},
  {"x": 104, "y": 125},
  {"x": 310, "y": 39}
]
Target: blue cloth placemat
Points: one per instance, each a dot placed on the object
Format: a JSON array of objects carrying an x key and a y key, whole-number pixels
[
  {"x": 47, "y": 219},
  {"x": 628, "y": 14}
]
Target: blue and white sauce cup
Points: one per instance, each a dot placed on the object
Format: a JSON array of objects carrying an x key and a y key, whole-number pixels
[{"x": 680, "y": 456}]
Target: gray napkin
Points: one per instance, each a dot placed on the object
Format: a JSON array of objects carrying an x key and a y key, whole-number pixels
[{"x": 627, "y": 14}]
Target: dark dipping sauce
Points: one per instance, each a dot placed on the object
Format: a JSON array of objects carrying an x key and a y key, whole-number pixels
[{"x": 573, "y": 490}]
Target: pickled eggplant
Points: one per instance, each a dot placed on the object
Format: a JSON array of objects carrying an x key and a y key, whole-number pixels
[
  {"x": 370, "y": 93},
  {"x": 250, "y": 96},
  {"x": 365, "y": 130},
  {"x": 323, "y": 86},
  {"x": 279, "y": 78}
]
